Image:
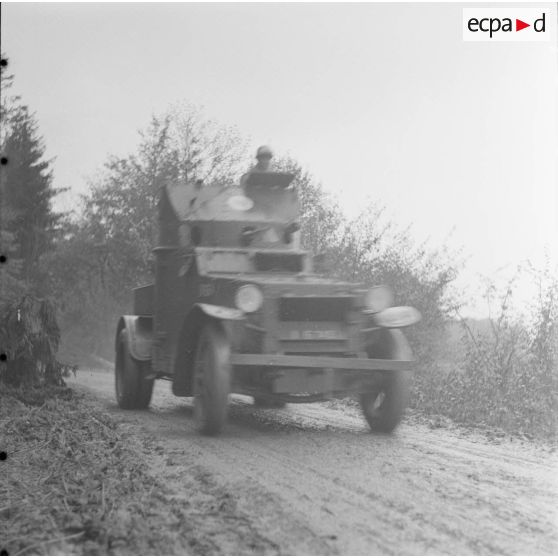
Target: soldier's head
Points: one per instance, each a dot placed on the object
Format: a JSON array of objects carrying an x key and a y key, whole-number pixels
[{"x": 264, "y": 155}]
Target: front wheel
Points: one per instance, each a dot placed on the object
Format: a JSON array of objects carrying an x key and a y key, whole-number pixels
[
  {"x": 212, "y": 379},
  {"x": 384, "y": 407},
  {"x": 133, "y": 390}
]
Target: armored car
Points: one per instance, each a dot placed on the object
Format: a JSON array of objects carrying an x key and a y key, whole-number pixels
[{"x": 236, "y": 308}]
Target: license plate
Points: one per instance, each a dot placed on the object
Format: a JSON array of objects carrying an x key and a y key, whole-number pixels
[{"x": 316, "y": 334}]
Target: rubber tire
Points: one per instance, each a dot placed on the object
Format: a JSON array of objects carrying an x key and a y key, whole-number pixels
[
  {"x": 388, "y": 414},
  {"x": 133, "y": 391},
  {"x": 268, "y": 403},
  {"x": 212, "y": 379},
  {"x": 396, "y": 385}
]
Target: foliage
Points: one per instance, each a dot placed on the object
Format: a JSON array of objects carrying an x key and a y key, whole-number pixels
[
  {"x": 9, "y": 103},
  {"x": 320, "y": 215},
  {"x": 91, "y": 297},
  {"x": 11, "y": 284},
  {"x": 30, "y": 338},
  {"x": 27, "y": 191},
  {"x": 109, "y": 247},
  {"x": 506, "y": 374}
]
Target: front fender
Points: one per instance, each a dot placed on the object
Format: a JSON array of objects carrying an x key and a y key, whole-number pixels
[
  {"x": 139, "y": 334},
  {"x": 220, "y": 312},
  {"x": 182, "y": 384},
  {"x": 390, "y": 344},
  {"x": 397, "y": 317}
]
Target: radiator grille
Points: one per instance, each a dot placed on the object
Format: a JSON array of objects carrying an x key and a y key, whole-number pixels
[
  {"x": 265, "y": 261},
  {"x": 314, "y": 309}
]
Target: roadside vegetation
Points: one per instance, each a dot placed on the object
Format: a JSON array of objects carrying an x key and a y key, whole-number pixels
[
  {"x": 29, "y": 228},
  {"x": 75, "y": 483},
  {"x": 503, "y": 372}
]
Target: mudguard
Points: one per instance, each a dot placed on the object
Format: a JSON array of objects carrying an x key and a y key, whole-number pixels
[
  {"x": 139, "y": 332},
  {"x": 186, "y": 345},
  {"x": 389, "y": 344},
  {"x": 220, "y": 312},
  {"x": 397, "y": 317}
]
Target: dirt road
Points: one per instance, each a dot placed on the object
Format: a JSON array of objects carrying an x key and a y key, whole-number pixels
[{"x": 311, "y": 479}]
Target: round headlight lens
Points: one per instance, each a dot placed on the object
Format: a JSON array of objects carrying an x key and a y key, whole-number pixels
[
  {"x": 249, "y": 298},
  {"x": 378, "y": 299}
]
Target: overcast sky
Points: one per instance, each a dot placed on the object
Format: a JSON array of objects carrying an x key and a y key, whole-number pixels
[{"x": 378, "y": 101}]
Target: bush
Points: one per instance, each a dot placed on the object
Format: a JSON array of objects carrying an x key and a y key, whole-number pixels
[{"x": 503, "y": 371}]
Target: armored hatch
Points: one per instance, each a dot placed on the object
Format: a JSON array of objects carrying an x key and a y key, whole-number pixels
[{"x": 260, "y": 214}]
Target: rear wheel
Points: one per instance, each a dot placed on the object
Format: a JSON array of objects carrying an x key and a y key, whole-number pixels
[
  {"x": 133, "y": 390},
  {"x": 212, "y": 379}
]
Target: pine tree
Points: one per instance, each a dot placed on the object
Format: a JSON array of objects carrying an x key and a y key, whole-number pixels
[
  {"x": 27, "y": 193},
  {"x": 29, "y": 334},
  {"x": 11, "y": 285}
]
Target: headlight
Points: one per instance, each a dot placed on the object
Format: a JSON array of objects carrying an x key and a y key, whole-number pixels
[
  {"x": 378, "y": 299},
  {"x": 249, "y": 298}
]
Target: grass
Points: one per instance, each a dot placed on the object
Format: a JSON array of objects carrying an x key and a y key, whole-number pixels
[{"x": 74, "y": 483}]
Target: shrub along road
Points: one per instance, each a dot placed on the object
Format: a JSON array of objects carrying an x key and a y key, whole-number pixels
[{"x": 311, "y": 479}]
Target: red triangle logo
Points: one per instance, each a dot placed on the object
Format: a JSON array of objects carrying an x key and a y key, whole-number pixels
[{"x": 519, "y": 25}]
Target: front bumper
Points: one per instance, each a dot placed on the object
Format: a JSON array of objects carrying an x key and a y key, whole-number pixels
[
  {"x": 320, "y": 362},
  {"x": 313, "y": 378}
]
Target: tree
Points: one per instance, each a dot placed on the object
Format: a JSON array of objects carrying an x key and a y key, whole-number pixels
[
  {"x": 28, "y": 194},
  {"x": 29, "y": 333},
  {"x": 109, "y": 246},
  {"x": 11, "y": 284},
  {"x": 28, "y": 221},
  {"x": 320, "y": 215},
  {"x": 120, "y": 213}
]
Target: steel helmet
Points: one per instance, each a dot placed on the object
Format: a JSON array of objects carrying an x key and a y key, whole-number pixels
[{"x": 264, "y": 151}]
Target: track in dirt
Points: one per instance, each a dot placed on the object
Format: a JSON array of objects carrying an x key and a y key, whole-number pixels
[{"x": 310, "y": 479}]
